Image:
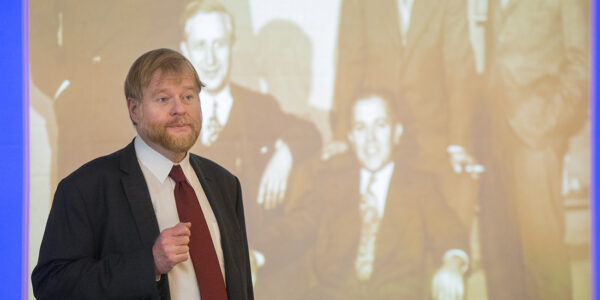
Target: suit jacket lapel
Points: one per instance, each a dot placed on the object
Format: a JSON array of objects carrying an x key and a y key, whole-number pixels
[
  {"x": 396, "y": 228},
  {"x": 391, "y": 228},
  {"x": 419, "y": 20},
  {"x": 343, "y": 225},
  {"x": 212, "y": 194},
  {"x": 138, "y": 195},
  {"x": 353, "y": 213}
]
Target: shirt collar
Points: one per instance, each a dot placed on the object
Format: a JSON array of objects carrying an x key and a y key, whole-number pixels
[
  {"x": 158, "y": 165},
  {"x": 384, "y": 173}
]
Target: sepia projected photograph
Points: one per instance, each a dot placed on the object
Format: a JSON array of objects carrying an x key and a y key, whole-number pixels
[{"x": 386, "y": 149}]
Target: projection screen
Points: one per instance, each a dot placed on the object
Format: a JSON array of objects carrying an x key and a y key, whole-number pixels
[{"x": 377, "y": 142}]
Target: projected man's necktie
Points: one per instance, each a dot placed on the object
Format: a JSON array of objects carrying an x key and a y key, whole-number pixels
[
  {"x": 202, "y": 250},
  {"x": 370, "y": 225},
  {"x": 214, "y": 126}
]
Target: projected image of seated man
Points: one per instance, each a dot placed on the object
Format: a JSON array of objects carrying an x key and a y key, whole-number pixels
[{"x": 376, "y": 221}]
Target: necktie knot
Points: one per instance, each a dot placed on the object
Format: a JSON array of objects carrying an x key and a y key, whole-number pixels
[
  {"x": 213, "y": 127},
  {"x": 177, "y": 174}
]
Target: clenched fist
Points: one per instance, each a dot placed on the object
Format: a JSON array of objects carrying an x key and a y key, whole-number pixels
[{"x": 171, "y": 247}]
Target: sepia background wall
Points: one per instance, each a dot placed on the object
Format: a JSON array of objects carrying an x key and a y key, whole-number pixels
[{"x": 300, "y": 52}]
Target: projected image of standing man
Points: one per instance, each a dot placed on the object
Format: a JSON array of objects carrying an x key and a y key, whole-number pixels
[{"x": 244, "y": 130}]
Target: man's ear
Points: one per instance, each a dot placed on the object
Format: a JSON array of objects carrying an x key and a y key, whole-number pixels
[
  {"x": 133, "y": 106},
  {"x": 184, "y": 50},
  {"x": 398, "y": 131}
]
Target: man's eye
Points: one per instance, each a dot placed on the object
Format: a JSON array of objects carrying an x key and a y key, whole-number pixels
[
  {"x": 382, "y": 124},
  {"x": 189, "y": 97},
  {"x": 199, "y": 45},
  {"x": 220, "y": 44},
  {"x": 162, "y": 99},
  {"x": 359, "y": 127}
]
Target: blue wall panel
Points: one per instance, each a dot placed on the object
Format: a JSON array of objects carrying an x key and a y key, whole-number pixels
[{"x": 13, "y": 117}]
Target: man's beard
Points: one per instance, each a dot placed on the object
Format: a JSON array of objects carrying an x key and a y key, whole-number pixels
[{"x": 157, "y": 133}]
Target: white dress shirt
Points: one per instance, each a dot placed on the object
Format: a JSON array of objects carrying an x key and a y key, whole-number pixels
[
  {"x": 224, "y": 102},
  {"x": 156, "y": 169},
  {"x": 404, "y": 13}
]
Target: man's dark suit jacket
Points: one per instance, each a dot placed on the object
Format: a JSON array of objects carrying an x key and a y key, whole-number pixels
[
  {"x": 417, "y": 228},
  {"x": 101, "y": 229}
]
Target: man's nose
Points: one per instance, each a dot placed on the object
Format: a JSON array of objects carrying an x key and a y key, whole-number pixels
[
  {"x": 178, "y": 106},
  {"x": 371, "y": 134},
  {"x": 210, "y": 56}
]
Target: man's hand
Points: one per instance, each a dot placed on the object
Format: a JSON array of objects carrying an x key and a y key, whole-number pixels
[
  {"x": 448, "y": 283},
  {"x": 171, "y": 247},
  {"x": 273, "y": 183},
  {"x": 333, "y": 148},
  {"x": 461, "y": 161}
]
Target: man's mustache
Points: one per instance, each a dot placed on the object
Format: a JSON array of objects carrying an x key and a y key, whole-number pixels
[{"x": 179, "y": 122}]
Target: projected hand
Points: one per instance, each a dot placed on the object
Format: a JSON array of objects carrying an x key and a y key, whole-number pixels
[
  {"x": 257, "y": 260},
  {"x": 462, "y": 161},
  {"x": 448, "y": 283},
  {"x": 171, "y": 247},
  {"x": 333, "y": 148},
  {"x": 273, "y": 183}
]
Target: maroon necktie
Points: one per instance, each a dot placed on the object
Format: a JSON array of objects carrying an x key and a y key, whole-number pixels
[{"x": 202, "y": 250}]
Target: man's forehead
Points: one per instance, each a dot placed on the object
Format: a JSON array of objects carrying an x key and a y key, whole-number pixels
[
  {"x": 206, "y": 23},
  {"x": 161, "y": 77},
  {"x": 370, "y": 108}
]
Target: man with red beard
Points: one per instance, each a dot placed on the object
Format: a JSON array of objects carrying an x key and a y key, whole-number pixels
[{"x": 150, "y": 221}]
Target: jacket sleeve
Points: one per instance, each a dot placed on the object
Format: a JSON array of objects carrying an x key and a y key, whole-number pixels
[
  {"x": 70, "y": 264},
  {"x": 555, "y": 104}
]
